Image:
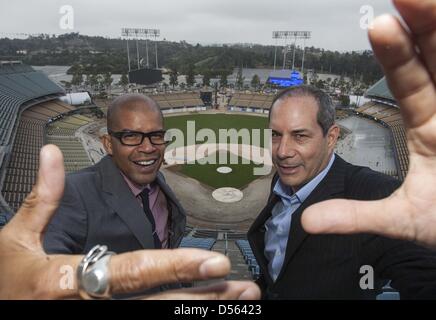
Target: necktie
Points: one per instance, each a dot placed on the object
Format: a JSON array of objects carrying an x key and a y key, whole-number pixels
[{"x": 149, "y": 215}]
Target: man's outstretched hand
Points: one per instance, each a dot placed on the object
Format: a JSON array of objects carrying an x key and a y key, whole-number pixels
[
  {"x": 408, "y": 58},
  {"x": 27, "y": 272}
]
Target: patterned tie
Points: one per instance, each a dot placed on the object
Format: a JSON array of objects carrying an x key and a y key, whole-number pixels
[{"x": 149, "y": 215}]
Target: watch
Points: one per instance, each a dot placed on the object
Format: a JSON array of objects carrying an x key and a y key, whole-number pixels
[{"x": 93, "y": 276}]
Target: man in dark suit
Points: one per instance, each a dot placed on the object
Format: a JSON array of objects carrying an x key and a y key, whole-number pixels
[
  {"x": 296, "y": 265},
  {"x": 28, "y": 272},
  {"x": 122, "y": 201},
  {"x": 407, "y": 56}
]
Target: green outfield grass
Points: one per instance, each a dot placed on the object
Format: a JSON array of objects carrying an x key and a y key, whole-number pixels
[{"x": 242, "y": 174}]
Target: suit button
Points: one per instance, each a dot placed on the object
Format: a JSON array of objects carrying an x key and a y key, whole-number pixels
[{"x": 271, "y": 295}]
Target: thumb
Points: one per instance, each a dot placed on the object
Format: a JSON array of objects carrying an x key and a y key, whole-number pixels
[
  {"x": 40, "y": 205},
  {"x": 350, "y": 216}
]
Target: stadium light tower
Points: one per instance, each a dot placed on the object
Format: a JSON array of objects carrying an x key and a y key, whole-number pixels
[
  {"x": 140, "y": 34},
  {"x": 290, "y": 35}
]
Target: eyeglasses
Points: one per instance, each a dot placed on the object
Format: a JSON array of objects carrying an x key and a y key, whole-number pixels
[{"x": 135, "y": 138}]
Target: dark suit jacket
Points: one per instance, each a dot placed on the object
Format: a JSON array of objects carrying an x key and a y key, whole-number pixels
[
  {"x": 328, "y": 266},
  {"x": 99, "y": 208}
]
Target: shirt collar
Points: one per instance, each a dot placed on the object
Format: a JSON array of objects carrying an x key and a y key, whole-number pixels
[
  {"x": 285, "y": 192},
  {"x": 135, "y": 188}
]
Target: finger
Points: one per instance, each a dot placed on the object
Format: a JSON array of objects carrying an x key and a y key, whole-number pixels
[
  {"x": 40, "y": 205},
  {"x": 408, "y": 79},
  {"x": 229, "y": 290},
  {"x": 420, "y": 17},
  {"x": 352, "y": 216},
  {"x": 140, "y": 270},
  {"x": 131, "y": 272}
]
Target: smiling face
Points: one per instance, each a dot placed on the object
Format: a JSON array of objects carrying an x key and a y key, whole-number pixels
[
  {"x": 299, "y": 149},
  {"x": 139, "y": 163}
]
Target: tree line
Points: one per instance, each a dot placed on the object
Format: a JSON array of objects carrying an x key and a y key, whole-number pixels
[{"x": 99, "y": 55}]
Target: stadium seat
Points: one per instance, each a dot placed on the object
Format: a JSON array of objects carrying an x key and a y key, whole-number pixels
[
  {"x": 200, "y": 243},
  {"x": 249, "y": 258}
]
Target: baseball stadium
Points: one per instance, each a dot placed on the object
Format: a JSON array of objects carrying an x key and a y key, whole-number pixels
[{"x": 222, "y": 198}]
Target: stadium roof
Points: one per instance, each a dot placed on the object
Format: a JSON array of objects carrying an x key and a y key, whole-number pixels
[
  {"x": 380, "y": 90},
  {"x": 20, "y": 87}
]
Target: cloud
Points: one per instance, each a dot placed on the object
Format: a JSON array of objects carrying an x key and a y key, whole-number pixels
[{"x": 334, "y": 24}]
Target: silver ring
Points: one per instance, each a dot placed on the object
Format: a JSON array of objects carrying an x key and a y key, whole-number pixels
[{"x": 93, "y": 276}]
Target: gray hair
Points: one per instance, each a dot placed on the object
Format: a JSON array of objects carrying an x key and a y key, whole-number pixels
[
  {"x": 129, "y": 98},
  {"x": 326, "y": 110}
]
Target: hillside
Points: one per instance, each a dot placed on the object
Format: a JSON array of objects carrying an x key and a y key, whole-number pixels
[{"x": 102, "y": 55}]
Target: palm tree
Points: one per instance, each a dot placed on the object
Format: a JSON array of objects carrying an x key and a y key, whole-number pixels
[
  {"x": 165, "y": 85},
  {"x": 190, "y": 77},
  {"x": 239, "y": 79},
  {"x": 77, "y": 79},
  {"x": 124, "y": 81},
  {"x": 173, "y": 77},
  {"x": 87, "y": 81},
  {"x": 107, "y": 81},
  {"x": 223, "y": 80},
  {"x": 94, "y": 81},
  {"x": 255, "y": 82},
  {"x": 314, "y": 78},
  {"x": 206, "y": 79}
]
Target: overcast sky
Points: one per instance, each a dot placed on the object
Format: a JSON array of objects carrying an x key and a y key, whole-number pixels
[{"x": 335, "y": 24}]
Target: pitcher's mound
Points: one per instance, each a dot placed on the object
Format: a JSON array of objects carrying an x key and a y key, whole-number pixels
[
  {"x": 227, "y": 195},
  {"x": 224, "y": 169}
]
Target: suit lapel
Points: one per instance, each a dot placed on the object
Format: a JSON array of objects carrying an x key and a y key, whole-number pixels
[
  {"x": 328, "y": 188},
  {"x": 119, "y": 197},
  {"x": 166, "y": 189},
  {"x": 256, "y": 235}
]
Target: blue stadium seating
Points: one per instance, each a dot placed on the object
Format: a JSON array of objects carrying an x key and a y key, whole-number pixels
[
  {"x": 199, "y": 243},
  {"x": 3, "y": 215},
  {"x": 388, "y": 293},
  {"x": 249, "y": 258}
]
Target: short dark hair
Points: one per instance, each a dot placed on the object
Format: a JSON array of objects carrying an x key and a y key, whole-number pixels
[
  {"x": 326, "y": 110},
  {"x": 125, "y": 99}
]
